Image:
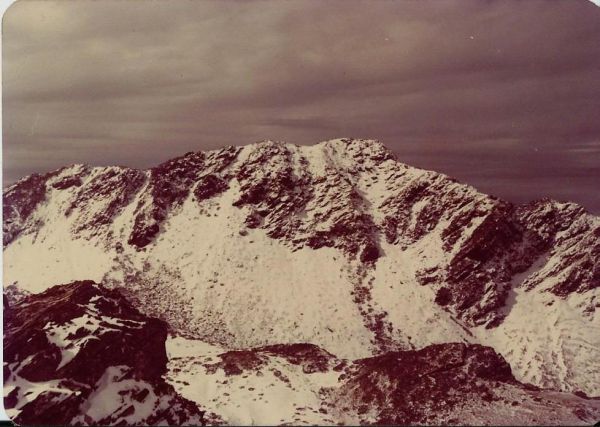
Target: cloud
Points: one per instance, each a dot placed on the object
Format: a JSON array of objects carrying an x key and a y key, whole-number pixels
[{"x": 444, "y": 84}]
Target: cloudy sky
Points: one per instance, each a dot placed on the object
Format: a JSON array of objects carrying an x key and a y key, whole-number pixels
[{"x": 503, "y": 95}]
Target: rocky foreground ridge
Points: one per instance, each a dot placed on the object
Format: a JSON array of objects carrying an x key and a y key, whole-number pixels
[{"x": 80, "y": 354}]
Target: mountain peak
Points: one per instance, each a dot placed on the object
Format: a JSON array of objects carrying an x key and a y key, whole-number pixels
[{"x": 369, "y": 148}]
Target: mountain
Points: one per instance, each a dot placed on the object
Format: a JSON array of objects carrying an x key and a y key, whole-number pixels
[{"x": 337, "y": 245}]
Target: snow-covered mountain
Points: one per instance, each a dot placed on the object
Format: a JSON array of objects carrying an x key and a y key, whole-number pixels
[{"x": 336, "y": 245}]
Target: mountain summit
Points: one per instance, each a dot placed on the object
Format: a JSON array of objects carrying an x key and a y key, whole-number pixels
[{"x": 337, "y": 245}]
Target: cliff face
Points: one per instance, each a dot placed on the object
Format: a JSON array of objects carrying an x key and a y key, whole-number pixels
[{"x": 338, "y": 245}]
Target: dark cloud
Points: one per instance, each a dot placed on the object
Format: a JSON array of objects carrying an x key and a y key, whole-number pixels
[{"x": 501, "y": 94}]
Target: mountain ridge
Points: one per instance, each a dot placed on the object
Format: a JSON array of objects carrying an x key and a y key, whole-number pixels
[
  {"x": 50, "y": 173},
  {"x": 377, "y": 247}
]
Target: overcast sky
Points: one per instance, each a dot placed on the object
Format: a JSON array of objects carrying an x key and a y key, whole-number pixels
[{"x": 503, "y": 95}]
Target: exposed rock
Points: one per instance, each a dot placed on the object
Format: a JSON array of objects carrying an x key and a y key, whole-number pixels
[
  {"x": 572, "y": 238},
  {"x": 405, "y": 387},
  {"x": 169, "y": 185},
  {"x": 67, "y": 182},
  {"x": 73, "y": 346},
  {"x": 208, "y": 186},
  {"x": 18, "y": 203},
  {"x": 309, "y": 356},
  {"x": 441, "y": 384},
  {"x": 235, "y": 362},
  {"x": 107, "y": 193},
  {"x": 432, "y": 386}
]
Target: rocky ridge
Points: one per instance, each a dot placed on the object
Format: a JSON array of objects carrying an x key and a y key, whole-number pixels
[
  {"x": 187, "y": 242},
  {"x": 300, "y": 384},
  {"x": 80, "y": 354}
]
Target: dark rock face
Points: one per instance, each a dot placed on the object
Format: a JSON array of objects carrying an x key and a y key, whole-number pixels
[
  {"x": 170, "y": 184},
  {"x": 104, "y": 197},
  {"x": 569, "y": 235},
  {"x": 7, "y": 311},
  {"x": 443, "y": 296},
  {"x": 80, "y": 336},
  {"x": 369, "y": 254},
  {"x": 209, "y": 186},
  {"x": 51, "y": 408},
  {"x": 13, "y": 294},
  {"x": 235, "y": 362},
  {"x": 272, "y": 190},
  {"x": 19, "y": 202},
  {"x": 67, "y": 182},
  {"x": 94, "y": 204},
  {"x": 311, "y": 357},
  {"x": 472, "y": 227},
  {"x": 138, "y": 342},
  {"x": 480, "y": 234},
  {"x": 406, "y": 387},
  {"x": 490, "y": 241},
  {"x": 478, "y": 273},
  {"x": 339, "y": 203},
  {"x": 398, "y": 212},
  {"x": 290, "y": 203}
]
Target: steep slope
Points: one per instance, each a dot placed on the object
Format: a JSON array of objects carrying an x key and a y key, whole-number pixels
[
  {"x": 336, "y": 244},
  {"x": 80, "y": 354}
]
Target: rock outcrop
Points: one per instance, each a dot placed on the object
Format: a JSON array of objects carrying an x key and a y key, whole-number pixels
[
  {"x": 301, "y": 384},
  {"x": 80, "y": 354}
]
